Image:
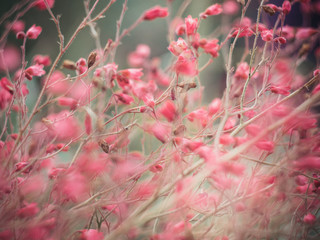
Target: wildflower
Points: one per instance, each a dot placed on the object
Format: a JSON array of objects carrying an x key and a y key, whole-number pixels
[
  {"x": 265, "y": 145},
  {"x": 286, "y": 7},
  {"x": 91, "y": 234},
  {"x": 214, "y": 9},
  {"x": 286, "y": 32},
  {"x": 230, "y": 7},
  {"x": 242, "y": 72},
  {"x": 212, "y": 47},
  {"x": 34, "y": 32},
  {"x": 40, "y": 4},
  {"x": 200, "y": 115},
  {"x": 191, "y": 25},
  {"x": 305, "y": 33},
  {"x": 42, "y": 60},
  {"x": 160, "y": 131},
  {"x": 214, "y": 106},
  {"x": 124, "y": 98},
  {"x": 176, "y": 48},
  {"x": 11, "y": 58},
  {"x": 309, "y": 218},
  {"x": 29, "y": 210},
  {"x": 267, "y": 35},
  {"x": 35, "y": 70},
  {"x": 169, "y": 111},
  {"x": 139, "y": 56},
  {"x": 18, "y": 26},
  {"x": 56, "y": 84},
  {"x": 155, "y": 12}
]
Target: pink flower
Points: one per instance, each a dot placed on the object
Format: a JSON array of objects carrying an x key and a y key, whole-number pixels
[
  {"x": 226, "y": 139},
  {"x": 309, "y": 218},
  {"x": 308, "y": 162},
  {"x": 191, "y": 25},
  {"x": 169, "y": 111},
  {"x": 265, "y": 145},
  {"x": 62, "y": 125},
  {"x": 42, "y": 60},
  {"x": 230, "y": 7},
  {"x": 244, "y": 32},
  {"x": 40, "y": 4},
  {"x": 5, "y": 98},
  {"x": 283, "y": 90},
  {"x": 280, "y": 40},
  {"x": 214, "y": 106},
  {"x": 186, "y": 64},
  {"x": 242, "y": 72},
  {"x": 34, "y": 32},
  {"x": 155, "y": 12},
  {"x": 286, "y": 7},
  {"x": 6, "y": 84},
  {"x": 29, "y": 210},
  {"x": 139, "y": 56},
  {"x": 124, "y": 98},
  {"x": 11, "y": 58},
  {"x": 131, "y": 73},
  {"x": 18, "y": 26},
  {"x": 176, "y": 48},
  {"x": 200, "y": 114},
  {"x": 212, "y": 47},
  {"x": 287, "y": 32},
  {"x": 91, "y": 234},
  {"x": 67, "y": 101},
  {"x": 267, "y": 35},
  {"x": 35, "y": 70},
  {"x": 214, "y": 9}
]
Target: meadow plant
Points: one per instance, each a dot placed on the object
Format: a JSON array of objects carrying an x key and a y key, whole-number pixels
[{"x": 114, "y": 151}]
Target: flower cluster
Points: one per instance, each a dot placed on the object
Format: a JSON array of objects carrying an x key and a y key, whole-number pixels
[{"x": 142, "y": 151}]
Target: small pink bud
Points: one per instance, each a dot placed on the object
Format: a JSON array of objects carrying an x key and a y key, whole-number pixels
[
  {"x": 230, "y": 7},
  {"x": 67, "y": 101},
  {"x": 176, "y": 48},
  {"x": 214, "y": 106},
  {"x": 181, "y": 29},
  {"x": 226, "y": 139},
  {"x": 156, "y": 168},
  {"x": 34, "y": 32},
  {"x": 91, "y": 234},
  {"x": 124, "y": 98},
  {"x": 169, "y": 111},
  {"x": 155, "y": 12},
  {"x": 35, "y": 70},
  {"x": 40, "y": 4},
  {"x": 87, "y": 124},
  {"x": 42, "y": 60},
  {"x": 316, "y": 72},
  {"x": 242, "y": 72},
  {"x": 286, "y": 7},
  {"x": 214, "y": 9},
  {"x": 280, "y": 40},
  {"x": 20, "y": 35},
  {"x": 265, "y": 145},
  {"x": 17, "y": 26},
  {"x": 309, "y": 218}
]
